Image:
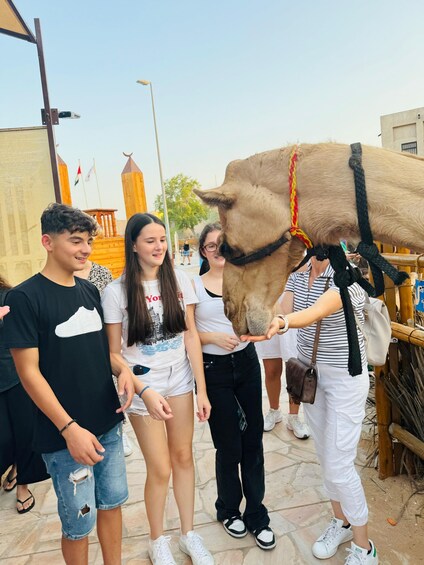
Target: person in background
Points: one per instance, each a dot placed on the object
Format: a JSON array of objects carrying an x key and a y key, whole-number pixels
[
  {"x": 273, "y": 353},
  {"x": 101, "y": 276},
  {"x": 186, "y": 253},
  {"x": 149, "y": 315},
  {"x": 336, "y": 416},
  {"x": 57, "y": 339},
  {"x": 233, "y": 383},
  {"x": 16, "y": 425}
]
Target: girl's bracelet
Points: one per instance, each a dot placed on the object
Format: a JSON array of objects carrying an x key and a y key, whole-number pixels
[
  {"x": 140, "y": 394},
  {"x": 286, "y": 324}
]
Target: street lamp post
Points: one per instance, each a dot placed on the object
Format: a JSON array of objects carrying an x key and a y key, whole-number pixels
[{"x": 165, "y": 207}]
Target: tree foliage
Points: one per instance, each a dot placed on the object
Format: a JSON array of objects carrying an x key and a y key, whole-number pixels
[{"x": 185, "y": 210}]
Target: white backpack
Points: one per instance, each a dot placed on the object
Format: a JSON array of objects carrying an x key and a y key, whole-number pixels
[{"x": 376, "y": 330}]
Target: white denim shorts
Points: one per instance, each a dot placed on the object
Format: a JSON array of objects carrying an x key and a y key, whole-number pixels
[
  {"x": 169, "y": 381},
  {"x": 278, "y": 347}
]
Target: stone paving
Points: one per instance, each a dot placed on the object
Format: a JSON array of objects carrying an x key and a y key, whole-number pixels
[{"x": 299, "y": 510}]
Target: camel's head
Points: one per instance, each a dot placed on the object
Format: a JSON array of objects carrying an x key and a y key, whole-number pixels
[{"x": 253, "y": 215}]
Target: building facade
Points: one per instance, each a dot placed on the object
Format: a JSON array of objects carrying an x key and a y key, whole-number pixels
[{"x": 404, "y": 131}]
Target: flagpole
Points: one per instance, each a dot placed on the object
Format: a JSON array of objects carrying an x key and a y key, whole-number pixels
[
  {"x": 83, "y": 185},
  {"x": 97, "y": 183}
]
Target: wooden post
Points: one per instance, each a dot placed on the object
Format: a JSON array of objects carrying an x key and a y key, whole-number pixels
[
  {"x": 382, "y": 402},
  {"x": 405, "y": 295}
]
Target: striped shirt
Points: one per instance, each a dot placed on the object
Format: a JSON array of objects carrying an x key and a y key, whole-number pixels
[{"x": 333, "y": 346}]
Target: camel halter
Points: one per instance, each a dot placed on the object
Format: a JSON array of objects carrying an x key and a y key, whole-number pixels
[
  {"x": 344, "y": 274},
  {"x": 294, "y": 230}
]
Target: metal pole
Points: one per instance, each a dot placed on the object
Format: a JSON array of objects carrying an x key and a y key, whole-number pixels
[
  {"x": 165, "y": 208},
  {"x": 49, "y": 125}
]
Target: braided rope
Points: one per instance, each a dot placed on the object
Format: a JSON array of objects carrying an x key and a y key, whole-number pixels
[{"x": 295, "y": 230}]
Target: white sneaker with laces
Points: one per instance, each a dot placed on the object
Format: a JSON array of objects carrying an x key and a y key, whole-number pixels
[
  {"x": 360, "y": 556},
  {"x": 235, "y": 527},
  {"x": 329, "y": 541},
  {"x": 160, "y": 552},
  {"x": 299, "y": 428},
  {"x": 192, "y": 545},
  {"x": 128, "y": 449},
  {"x": 272, "y": 418}
]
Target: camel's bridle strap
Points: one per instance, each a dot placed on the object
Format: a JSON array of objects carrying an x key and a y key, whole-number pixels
[{"x": 244, "y": 259}]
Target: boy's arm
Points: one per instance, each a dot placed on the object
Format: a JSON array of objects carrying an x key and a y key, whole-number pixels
[{"x": 82, "y": 444}]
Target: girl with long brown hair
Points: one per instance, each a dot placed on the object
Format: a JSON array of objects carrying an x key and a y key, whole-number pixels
[{"x": 149, "y": 316}]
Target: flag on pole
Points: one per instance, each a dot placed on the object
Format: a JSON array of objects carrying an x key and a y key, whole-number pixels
[
  {"x": 90, "y": 172},
  {"x": 79, "y": 174}
]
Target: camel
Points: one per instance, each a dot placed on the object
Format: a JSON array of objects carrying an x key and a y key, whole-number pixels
[{"x": 254, "y": 209}]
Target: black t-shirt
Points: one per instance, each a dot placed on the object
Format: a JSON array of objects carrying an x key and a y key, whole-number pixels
[{"x": 66, "y": 325}]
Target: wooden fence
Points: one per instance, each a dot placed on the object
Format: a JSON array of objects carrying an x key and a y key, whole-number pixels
[{"x": 399, "y": 300}]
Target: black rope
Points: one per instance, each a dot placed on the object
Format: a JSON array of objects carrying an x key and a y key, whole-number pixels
[{"x": 367, "y": 248}]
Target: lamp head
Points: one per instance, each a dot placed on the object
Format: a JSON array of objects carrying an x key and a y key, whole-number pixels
[{"x": 144, "y": 82}]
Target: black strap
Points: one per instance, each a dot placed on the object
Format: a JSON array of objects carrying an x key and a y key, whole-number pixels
[
  {"x": 242, "y": 260},
  {"x": 318, "y": 329}
]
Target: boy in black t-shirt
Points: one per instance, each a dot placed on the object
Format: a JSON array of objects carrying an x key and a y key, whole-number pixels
[{"x": 57, "y": 339}]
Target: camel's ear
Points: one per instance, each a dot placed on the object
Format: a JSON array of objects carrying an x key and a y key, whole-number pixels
[{"x": 216, "y": 197}]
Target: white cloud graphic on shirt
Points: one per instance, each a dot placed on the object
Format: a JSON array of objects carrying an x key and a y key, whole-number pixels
[{"x": 82, "y": 322}]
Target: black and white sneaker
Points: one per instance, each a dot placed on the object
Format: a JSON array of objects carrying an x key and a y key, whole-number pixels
[
  {"x": 265, "y": 538},
  {"x": 235, "y": 527}
]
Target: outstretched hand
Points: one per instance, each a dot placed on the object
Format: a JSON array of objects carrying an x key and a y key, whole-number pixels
[{"x": 271, "y": 332}]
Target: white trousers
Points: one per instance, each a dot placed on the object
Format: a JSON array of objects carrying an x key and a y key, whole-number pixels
[{"x": 335, "y": 420}]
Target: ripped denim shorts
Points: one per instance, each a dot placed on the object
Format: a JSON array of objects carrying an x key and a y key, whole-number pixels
[{"x": 82, "y": 490}]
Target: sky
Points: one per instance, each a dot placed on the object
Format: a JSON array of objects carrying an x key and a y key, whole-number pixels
[{"x": 230, "y": 78}]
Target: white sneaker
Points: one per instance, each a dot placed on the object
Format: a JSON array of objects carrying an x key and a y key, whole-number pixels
[
  {"x": 272, "y": 418},
  {"x": 160, "y": 552},
  {"x": 128, "y": 449},
  {"x": 265, "y": 538},
  {"x": 235, "y": 527},
  {"x": 299, "y": 428},
  {"x": 329, "y": 541},
  {"x": 192, "y": 545},
  {"x": 359, "y": 556}
]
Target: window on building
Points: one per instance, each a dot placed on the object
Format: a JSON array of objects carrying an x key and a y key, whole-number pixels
[{"x": 410, "y": 147}]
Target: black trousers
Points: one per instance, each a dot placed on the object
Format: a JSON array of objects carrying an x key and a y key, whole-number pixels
[
  {"x": 231, "y": 378},
  {"x": 17, "y": 412}
]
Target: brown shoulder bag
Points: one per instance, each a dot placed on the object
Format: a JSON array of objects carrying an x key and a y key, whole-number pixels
[{"x": 302, "y": 379}]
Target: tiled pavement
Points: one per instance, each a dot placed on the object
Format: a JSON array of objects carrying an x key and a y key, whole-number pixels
[
  {"x": 298, "y": 508},
  {"x": 294, "y": 495}
]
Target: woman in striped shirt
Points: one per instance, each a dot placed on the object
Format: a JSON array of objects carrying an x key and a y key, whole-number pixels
[{"x": 336, "y": 416}]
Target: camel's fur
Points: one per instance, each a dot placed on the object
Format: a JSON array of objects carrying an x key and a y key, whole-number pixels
[{"x": 254, "y": 208}]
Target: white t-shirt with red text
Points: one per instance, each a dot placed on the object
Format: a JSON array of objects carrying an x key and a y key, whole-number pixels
[{"x": 157, "y": 351}]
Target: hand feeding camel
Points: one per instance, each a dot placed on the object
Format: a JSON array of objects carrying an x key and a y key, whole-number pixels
[{"x": 254, "y": 208}]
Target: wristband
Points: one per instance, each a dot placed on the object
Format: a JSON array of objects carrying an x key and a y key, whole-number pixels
[
  {"x": 67, "y": 426},
  {"x": 286, "y": 324},
  {"x": 140, "y": 394}
]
